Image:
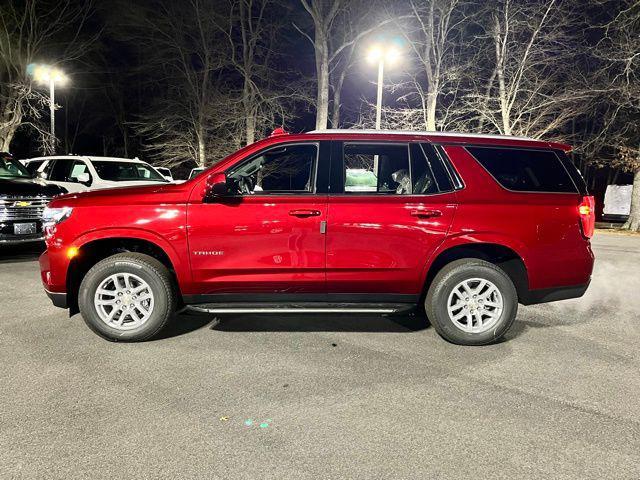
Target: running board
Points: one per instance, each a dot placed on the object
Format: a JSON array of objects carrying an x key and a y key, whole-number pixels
[{"x": 299, "y": 308}]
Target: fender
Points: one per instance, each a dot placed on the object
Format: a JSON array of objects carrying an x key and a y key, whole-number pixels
[
  {"x": 475, "y": 238},
  {"x": 180, "y": 266}
]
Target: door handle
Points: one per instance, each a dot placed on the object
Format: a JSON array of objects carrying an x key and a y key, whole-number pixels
[
  {"x": 304, "y": 213},
  {"x": 426, "y": 213}
]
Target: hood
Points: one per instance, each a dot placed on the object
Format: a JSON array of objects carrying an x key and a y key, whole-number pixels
[
  {"x": 30, "y": 187},
  {"x": 151, "y": 193}
]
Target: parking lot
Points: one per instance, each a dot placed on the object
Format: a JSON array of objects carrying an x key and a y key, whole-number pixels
[{"x": 314, "y": 397}]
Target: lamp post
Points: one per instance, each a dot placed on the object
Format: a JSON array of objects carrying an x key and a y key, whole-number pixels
[
  {"x": 48, "y": 75},
  {"x": 381, "y": 54}
]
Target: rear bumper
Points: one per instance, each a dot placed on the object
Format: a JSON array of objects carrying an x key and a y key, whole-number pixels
[
  {"x": 531, "y": 297},
  {"x": 58, "y": 299}
]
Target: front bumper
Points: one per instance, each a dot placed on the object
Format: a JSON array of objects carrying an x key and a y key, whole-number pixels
[
  {"x": 8, "y": 237},
  {"x": 53, "y": 268},
  {"x": 20, "y": 239}
]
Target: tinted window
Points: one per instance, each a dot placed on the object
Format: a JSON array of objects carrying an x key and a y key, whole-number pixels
[
  {"x": 453, "y": 175},
  {"x": 422, "y": 178},
  {"x": 440, "y": 173},
  {"x": 32, "y": 167},
  {"x": 525, "y": 170},
  {"x": 287, "y": 169},
  {"x": 376, "y": 168},
  {"x": 60, "y": 170},
  {"x": 126, "y": 171},
  {"x": 575, "y": 174}
]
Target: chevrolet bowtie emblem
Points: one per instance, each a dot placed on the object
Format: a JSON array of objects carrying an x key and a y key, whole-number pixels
[{"x": 22, "y": 204}]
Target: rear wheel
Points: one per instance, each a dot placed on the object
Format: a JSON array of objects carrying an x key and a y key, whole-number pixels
[
  {"x": 127, "y": 297},
  {"x": 471, "y": 302}
]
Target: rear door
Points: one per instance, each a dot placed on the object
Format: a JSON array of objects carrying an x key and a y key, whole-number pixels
[{"x": 390, "y": 206}]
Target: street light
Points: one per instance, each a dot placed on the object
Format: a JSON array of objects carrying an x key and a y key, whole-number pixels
[
  {"x": 48, "y": 75},
  {"x": 382, "y": 54}
]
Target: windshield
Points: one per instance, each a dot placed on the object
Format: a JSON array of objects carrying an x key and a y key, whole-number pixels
[
  {"x": 126, "y": 171},
  {"x": 12, "y": 169},
  {"x": 195, "y": 172}
]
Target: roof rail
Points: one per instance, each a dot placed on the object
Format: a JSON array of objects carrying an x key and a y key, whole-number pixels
[{"x": 417, "y": 132}]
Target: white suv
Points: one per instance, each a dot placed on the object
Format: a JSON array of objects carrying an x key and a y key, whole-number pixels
[{"x": 79, "y": 173}]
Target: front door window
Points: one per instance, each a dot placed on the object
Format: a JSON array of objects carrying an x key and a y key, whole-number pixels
[{"x": 287, "y": 169}]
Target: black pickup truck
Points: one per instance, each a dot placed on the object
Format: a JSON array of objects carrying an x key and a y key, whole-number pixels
[{"x": 22, "y": 200}]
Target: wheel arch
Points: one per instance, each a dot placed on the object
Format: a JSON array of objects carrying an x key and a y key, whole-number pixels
[
  {"x": 498, "y": 253},
  {"x": 93, "y": 248}
]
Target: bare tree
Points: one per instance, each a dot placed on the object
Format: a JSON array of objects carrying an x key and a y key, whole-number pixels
[
  {"x": 323, "y": 13},
  {"x": 526, "y": 90},
  {"x": 616, "y": 142},
  {"x": 253, "y": 29},
  {"x": 184, "y": 56},
  {"x": 433, "y": 45},
  {"x": 29, "y": 30},
  {"x": 338, "y": 28}
]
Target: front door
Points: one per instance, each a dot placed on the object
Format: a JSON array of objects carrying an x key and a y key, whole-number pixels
[
  {"x": 391, "y": 205},
  {"x": 269, "y": 239}
]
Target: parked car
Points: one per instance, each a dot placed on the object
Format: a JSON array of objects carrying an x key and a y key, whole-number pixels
[
  {"x": 80, "y": 173},
  {"x": 166, "y": 173},
  {"x": 195, "y": 172},
  {"x": 22, "y": 202},
  {"x": 617, "y": 203},
  {"x": 467, "y": 226}
]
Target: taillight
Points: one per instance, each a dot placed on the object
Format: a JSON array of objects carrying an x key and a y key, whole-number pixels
[{"x": 587, "y": 212}]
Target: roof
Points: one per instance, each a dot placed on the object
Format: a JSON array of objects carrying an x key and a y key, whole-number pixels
[
  {"x": 85, "y": 157},
  {"x": 454, "y": 137},
  {"x": 417, "y": 132}
]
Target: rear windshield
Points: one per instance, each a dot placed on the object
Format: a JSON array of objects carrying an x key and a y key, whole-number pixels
[
  {"x": 126, "y": 171},
  {"x": 525, "y": 170}
]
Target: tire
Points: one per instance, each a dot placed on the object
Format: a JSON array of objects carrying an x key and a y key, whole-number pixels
[
  {"x": 448, "y": 288},
  {"x": 132, "y": 271}
]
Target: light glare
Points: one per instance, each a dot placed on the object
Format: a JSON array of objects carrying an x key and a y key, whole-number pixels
[
  {"x": 375, "y": 54},
  {"x": 45, "y": 74},
  {"x": 389, "y": 55}
]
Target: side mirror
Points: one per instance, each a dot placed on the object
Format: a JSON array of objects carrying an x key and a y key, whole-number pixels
[
  {"x": 84, "y": 178},
  {"x": 216, "y": 186},
  {"x": 168, "y": 178}
]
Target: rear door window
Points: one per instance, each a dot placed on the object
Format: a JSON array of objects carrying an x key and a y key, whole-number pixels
[
  {"x": 525, "y": 170},
  {"x": 376, "y": 168}
]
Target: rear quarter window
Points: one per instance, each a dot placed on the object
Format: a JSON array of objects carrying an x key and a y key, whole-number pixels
[{"x": 525, "y": 170}]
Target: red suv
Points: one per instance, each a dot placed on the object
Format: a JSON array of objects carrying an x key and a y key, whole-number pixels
[{"x": 467, "y": 226}]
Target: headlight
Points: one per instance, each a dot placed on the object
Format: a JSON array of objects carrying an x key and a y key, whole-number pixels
[{"x": 53, "y": 216}]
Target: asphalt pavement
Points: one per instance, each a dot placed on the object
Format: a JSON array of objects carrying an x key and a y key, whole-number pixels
[{"x": 325, "y": 396}]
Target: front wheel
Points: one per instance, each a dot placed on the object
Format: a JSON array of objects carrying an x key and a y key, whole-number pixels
[
  {"x": 471, "y": 302},
  {"x": 127, "y": 297}
]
